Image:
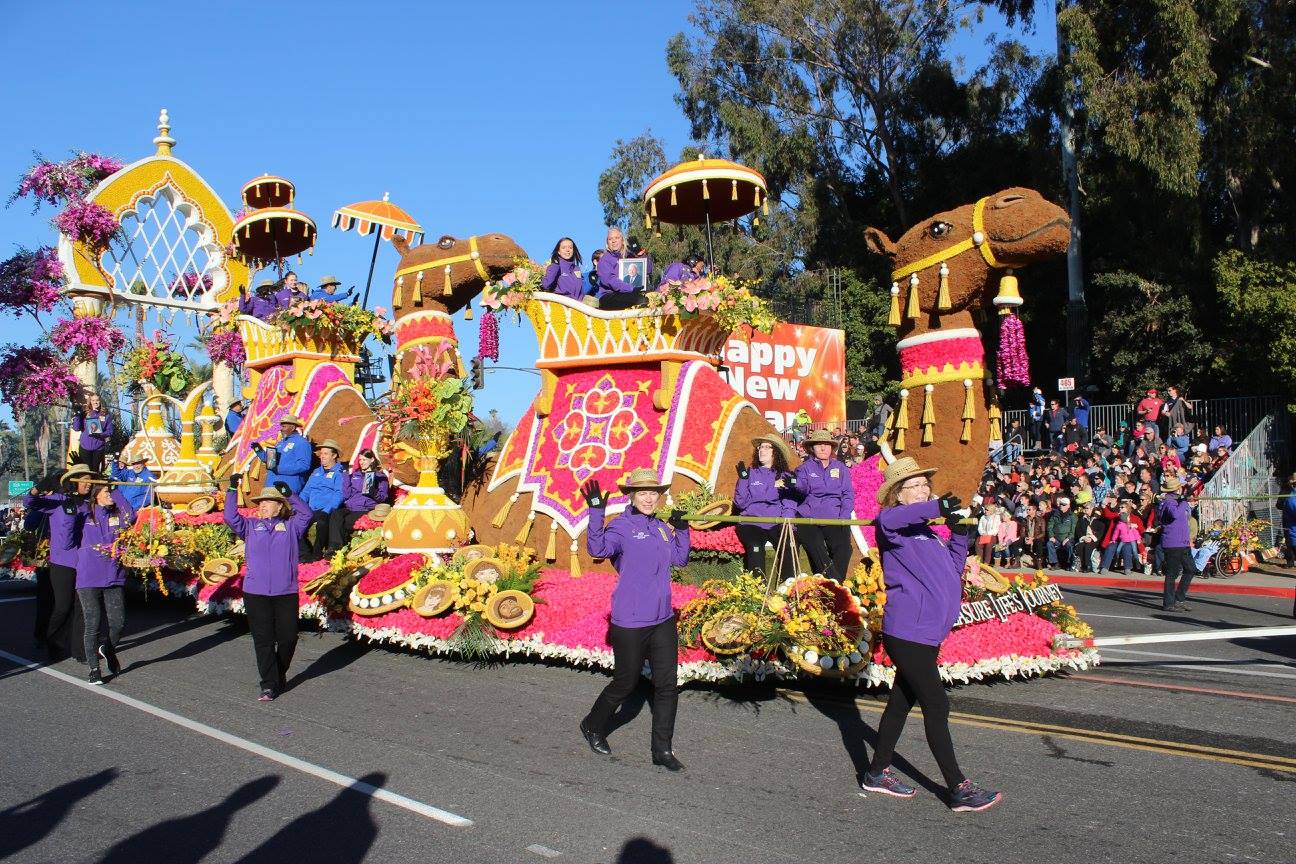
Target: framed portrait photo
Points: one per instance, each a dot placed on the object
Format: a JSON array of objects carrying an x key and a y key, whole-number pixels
[{"x": 633, "y": 271}]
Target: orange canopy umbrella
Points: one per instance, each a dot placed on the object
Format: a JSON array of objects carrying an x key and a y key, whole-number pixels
[
  {"x": 702, "y": 191},
  {"x": 390, "y": 221},
  {"x": 271, "y": 234}
]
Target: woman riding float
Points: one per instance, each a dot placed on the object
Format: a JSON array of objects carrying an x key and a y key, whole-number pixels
[
  {"x": 643, "y": 549},
  {"x": 764, "y": 490},
  {"x": 924, "y": 584}
]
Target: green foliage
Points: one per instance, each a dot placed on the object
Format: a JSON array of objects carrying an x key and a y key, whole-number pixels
[
  {"x": 705, "y": 565},
  {"x": 1257, "y": 324}
]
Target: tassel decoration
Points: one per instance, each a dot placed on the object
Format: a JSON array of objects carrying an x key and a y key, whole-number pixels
[
  {"x": 765, "y": 206},
  {"x": 1012, "y": 366},
  {"x": 448, "y": 289},
  {"x": 396, "y": 295},
  {"x": 468, "y": 315},
  {"x": 757, "y": 202},
  {"x": 652, "y": 203},
  {"x": 551, "y": 550},
  {"x": 969, "y": 411},
  {"x": 706, "y": 193},
  {"x": 672, "y": 196},
  {"x": 928, "y": 415},
  {"x": 994, "y": 415},
  {"x": 894, "y": 317},
  {"x": 901, "y": 420},
  {"x": 418, "y": 289},
  {"x": 733, "y": 196},
  {"x": 502, "y": 516},
  {"x": 647, "y": 221},
  {"x": 912, "y": 312},
  {"x": 575, "y": 567},
  {"x": 942, "y": 296},
  {"x": 526, "y": 529}
]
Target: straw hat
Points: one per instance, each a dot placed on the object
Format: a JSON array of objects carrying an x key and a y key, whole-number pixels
[
  {"x": 899, "y": 471},
  {"x": 222, "y": 568},
  {"x": 237, "y": 403},
  {"x": 200, "y": 505},
  {"x": 380, "y": 512},
  {"x": 1171, "y": 484},
  {"x": 79, "y": 471},
  {"x": 329, "y": 280},
  {"x": 292, "y": 419},
  {"x": 270, "y": 494},
  {"x": 779, "y": 444},
  {"x": 643, "y": 479},
  {"x": 329, "y": 443},
  {"x": 363, "y": 549},
  {"x": 818, "y": 436}
]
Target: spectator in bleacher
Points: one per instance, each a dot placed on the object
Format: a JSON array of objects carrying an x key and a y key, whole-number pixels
[
  {"x": 1072, "y": 435},
  {"x": 1080, "y": 411},
  {"x": 1061, "y": 535},
  {"x": 1220, "y": 439},
  {"x": 1149, "y": 407},
  {"x": 1177, "y": 411},
  {"x": 988, "y": 531},
  {"x": 1058, "y": 417},
  {"x": 1151, "y": 437},
  {"x": 881, "y": 414},
  {"x": 1089, "y": 525},
  {"x": 1035, "y": 535},
  {"x": 1288, "y": 507},
  {"x": 1180, "y": 441},
  {"x": 1037, "y": 419},
  {"x": 1101, "y": 442}
]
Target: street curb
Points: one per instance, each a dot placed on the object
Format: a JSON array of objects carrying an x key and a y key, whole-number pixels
[{"x": 1198, "y": 586}]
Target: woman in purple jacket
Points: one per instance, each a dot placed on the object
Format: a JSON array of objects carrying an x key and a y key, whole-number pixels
[
  {"x": 100, "y": 578},
  {"x": 924, "y": 584},
  {"x": 66, "y": 510},
  {"x": 363, "y": 489},
  {"x": 270, "y": 576},
  {"x": 96, "y": 428},
  {"x": 823, "y": 486},
  {"x": 614, "y": 292},
  {"x": 763, "y": 490},
  {"x": 563, "y": 275},
  {"x": 643, "y": 550}
]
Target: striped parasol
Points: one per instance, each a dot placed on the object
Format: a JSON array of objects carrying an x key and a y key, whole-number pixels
[{"x": 390, "y": 221}]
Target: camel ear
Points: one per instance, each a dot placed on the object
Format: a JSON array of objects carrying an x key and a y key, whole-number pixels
[
  {"x": 879, "y": 243},
  {"x": 401, "y": 244}
]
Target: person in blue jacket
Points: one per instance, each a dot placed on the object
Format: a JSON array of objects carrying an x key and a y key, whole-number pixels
[
  {"x": 96, "y": 427},
  {"x": 323, "y": 493},
  {"x": 327, "y": 290},
  {"x": 67, "y": 513},
  {"x": 101, "y": 579},
  {"x": 563, "y": 275},
  {"x": 1287, "y": 505},
  {"x": 614, "y": 292},
  {"x": 763, "y": 490},
  {"x": 271, "y": 539},
  {"x": 290, "y": 460},
  {"x": 135, "y": 471},
  {"x": 234, "y": 417},
  {"x": 643, "y": 550}
]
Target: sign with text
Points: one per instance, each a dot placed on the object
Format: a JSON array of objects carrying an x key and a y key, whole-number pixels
[
  {"x": 20, "y": 487},
  {"x": 796, "y": 366},
  {"x": 1066, "y": 385}
]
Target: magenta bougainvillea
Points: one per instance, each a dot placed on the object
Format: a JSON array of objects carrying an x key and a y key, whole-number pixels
[
  {"x": 87, "y": 337},
  {"x": 59, "y": 182},
  {"x": 35, "y": 377},
  {"x": 488, "y": 337},
  {"x": 191, "y": 283},
  {"x": 226, "y": 347},
  {"x": 30, "y": 281},
  {"x": 1012, "y": 364},
  {"x": 89, "y": 223}
]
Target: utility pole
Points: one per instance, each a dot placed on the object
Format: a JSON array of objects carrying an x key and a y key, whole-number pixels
[
  {"x": 1077, "y": 313},
  {"x": 22, "y": 434}
]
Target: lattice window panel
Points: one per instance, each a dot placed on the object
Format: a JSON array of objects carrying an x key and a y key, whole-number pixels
[{"x": 166, "y": 257}]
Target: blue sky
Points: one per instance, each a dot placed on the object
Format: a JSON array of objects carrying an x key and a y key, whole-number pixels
[{"x": 474, "y": 116}]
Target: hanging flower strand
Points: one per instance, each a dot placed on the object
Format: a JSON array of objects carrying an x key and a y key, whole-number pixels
[{"x": 30, "y": 281}]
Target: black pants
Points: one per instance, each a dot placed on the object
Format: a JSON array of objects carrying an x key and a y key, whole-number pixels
[
  {"x": 630, "y": 646},
  {"x": 95, "y": 602},
  {"x": 827, "y": 547},
  {"x": 917, "y": 679},
  {"x": 1178, "y": 566},
  {"x": 92, "y": 459},
  {"x": 753, "y": 538},
  {"x": 273, "y": 622},
  {"x": 44, "y": 605},
  {"x": 1084, "y": 553},
  {"x": 623, "y": 300},
  {"x": 66, "y": 622},
  {"x": 341, "y": 524},
  {"x": 313, "y": 550}
]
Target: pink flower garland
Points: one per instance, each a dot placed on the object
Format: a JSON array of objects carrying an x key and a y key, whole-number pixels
[
  {"x": 30, "y": 281},
  {"x": 226, "y": 347},
  {"x": 55, "y": 182},
  {"x": 488, "y": 337},
  {"x": 87, "y": 337},
  {"x": 1012, "y": 366},
  {"x": 88, "y": 223},
  {"x": 35, "y": 377}
]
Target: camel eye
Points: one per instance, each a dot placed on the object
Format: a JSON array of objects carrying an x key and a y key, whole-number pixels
[
  {"x": 446, "y": 242},
  {"x": 940, "y": 229}
]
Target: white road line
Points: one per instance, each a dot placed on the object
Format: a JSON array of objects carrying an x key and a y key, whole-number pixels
[
  {"x": 1191, "y": 657},
  {"x": 16, "y": 599},
  {"x": 543, "y": 851},
  {"x": 252, "y": 747},
  {"x": 1202, "y": 667},
  {"x": 1122, "y": 617}
]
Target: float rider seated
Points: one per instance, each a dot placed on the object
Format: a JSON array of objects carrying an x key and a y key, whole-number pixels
[{"x": 289, "y": 461}]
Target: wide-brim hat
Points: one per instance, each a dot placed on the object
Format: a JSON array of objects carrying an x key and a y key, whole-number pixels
[
  {"x": 236, "y": 403},
  {"x": 818, "y": 436},
  {"x": 329, "y": 443},
  {"x": 899, "y": 471},
  {"x": 79, "y": 471},
  {"x": 201, "y": 505},
  {"x": 777, "y": 441},
  {"x": 1171, "y": 484},
  {"x": 265, "y": 283},
  {"x": 364, "y": 549},
  {"x": 329, "y": 280},
  {"x": 293, "y": 419},
  {"x": 380, "y": 512},
  {"x": 643, "y": 480},
  {"x": 270, "y": 494}
]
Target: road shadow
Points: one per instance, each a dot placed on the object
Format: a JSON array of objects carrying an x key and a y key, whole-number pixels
[
  {"x": 1152, "y": 600},
  {"x": 641, "y": 850},
  {"x": 230, "y": 631},
  {"x": 632, "y": 707},
  {"x": 340, "y": 832},
  {"x": 857, "y": 737},
  {"x": 335, "y": 659},
  {"x": 29, "y": 822},
  {"x": 189, "y": 839},
  {"x": 144, "y": 637}
]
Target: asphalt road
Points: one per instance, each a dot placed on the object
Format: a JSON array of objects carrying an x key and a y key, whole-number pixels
[{"x": 1182, "y": 752}]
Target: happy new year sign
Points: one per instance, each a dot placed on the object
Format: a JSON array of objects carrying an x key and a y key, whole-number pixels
[{"x": 794, "y": 367}]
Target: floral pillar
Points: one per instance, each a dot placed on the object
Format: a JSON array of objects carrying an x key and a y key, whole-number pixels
[
  {"x": 85, "y": 306},
  {"x": 223, "y": 386}
]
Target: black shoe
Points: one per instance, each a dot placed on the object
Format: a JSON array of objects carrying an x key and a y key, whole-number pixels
[
  {"x": 95, "y": 677},
  {"x": 668, "y": 761},
  {"x": 109, "y": 656},
  {"x": 597, "y": 743},
  {"x": 267, "y": 695}
]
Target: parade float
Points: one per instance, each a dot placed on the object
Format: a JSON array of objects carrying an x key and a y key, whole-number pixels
[{"x": 504, "y": 572}]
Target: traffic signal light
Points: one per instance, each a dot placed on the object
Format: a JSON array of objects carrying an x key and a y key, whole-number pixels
[{"x": 478, "y": 374}]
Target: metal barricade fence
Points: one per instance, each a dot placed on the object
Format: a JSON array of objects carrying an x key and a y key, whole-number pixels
[
  {"x": 1248, "y": 481},
  {"x": 1237, "y": 414}
]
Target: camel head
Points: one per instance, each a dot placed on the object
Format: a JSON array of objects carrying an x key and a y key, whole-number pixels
[
  {"x": 1015, "y": 227},
  {"x": 447, "y": 274}
]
